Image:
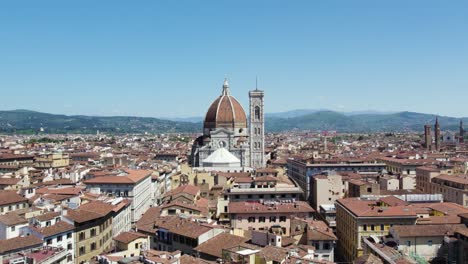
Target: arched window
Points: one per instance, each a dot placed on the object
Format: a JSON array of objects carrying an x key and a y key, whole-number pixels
[{"x": 257, "y": 113}]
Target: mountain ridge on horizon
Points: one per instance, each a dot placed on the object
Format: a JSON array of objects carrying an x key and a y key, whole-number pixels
[{"x": 30, "y": 122}]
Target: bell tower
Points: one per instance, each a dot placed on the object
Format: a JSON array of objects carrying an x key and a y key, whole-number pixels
[{"x": 256, "y": 129}]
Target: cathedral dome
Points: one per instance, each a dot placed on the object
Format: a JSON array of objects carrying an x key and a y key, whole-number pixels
[{"x": 225, "y": 112}]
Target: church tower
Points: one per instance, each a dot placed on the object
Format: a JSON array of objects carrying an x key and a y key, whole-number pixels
[
  {"x": 437, "y": 134},
  {"x": 461, "y": 135},
  {"x": 256, "y": 129}
]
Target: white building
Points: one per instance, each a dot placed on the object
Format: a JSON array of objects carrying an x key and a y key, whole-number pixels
[
  {"x": 131, "y": 184},
  {"x": 10, "y": 225},
  {"x": 59, "y": 235}
]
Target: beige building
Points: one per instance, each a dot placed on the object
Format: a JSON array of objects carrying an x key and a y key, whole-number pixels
[
  {"x": 358, "y": 218},
  {"x": 389, "y": 183},
  {"x": 425, "y": 174},
  {"x": 130, "y": 244},
  {"x": 358, "y": 188},
  {"x": 426, "y": 241},
  {"x": 11, "y": 201},
  {"x": 93, "y": 232},
  {"x": 268, "y": 215},
  {"x": 453, "y": 187},
  {"x": 326, "y": 189},
  {"x": 52, "y": 160}
]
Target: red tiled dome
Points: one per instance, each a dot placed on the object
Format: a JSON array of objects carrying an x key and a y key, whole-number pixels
[{"x": 225, "y": 112}]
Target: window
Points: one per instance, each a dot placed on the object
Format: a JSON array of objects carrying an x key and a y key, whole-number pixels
[
  {"x": 251, "y": 219},
  {"x": 70, "y": 246},
  {"x": 257, "y": 113},
  {"x": 93, "y": 246},
  {"x": 429, "y": 243},
  {"x": 49, "y": 241},
  {"x": 282, "y": 219},
  {"x": 82, "y": 251},
  {"x": 93, "y": 232},
  {"x": 13, "y": 228},
  {"x": 372, "y": 227},
  {"x": 81, "y": 236},
  {"x": 69, "y": 235},
  {"x": 137, "y": 246},
  {"x": 272, "y": 219},
  {"x": 261, "y": 219},
  {"x": 249, "y": 196},
  {"x": 225, "y": 209},
  {"x": 364, "y": 227},
  {"x": 59, "y": 238},
  {"x": 382, "y": 227},
  {"x": 326, "y": 246},
  {"x": 408, "y": 243},
  {"x": 47, "y": 223}
]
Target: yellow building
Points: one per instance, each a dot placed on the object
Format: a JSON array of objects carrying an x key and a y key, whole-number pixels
[
  {"x": 52, "y": 160},
  {"x": 129, "y": 244},
  {"x": 204, "y": 180},
  {"x": 356, "y": 218},
  {"x": 93, "y": 231}
]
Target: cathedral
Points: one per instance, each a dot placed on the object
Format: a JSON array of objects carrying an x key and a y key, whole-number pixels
[{"x": 231, "y": 140}]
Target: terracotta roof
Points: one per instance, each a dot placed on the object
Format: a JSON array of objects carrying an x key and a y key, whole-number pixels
[
  {"x": 215, "y": 246},
  {"x": 47, "y": 216},
  {"x": 19, "y": 243},
  {"x": 363, "y": 208},
  {"x": 61, "y": 191},
  {"x": 393, "y": 201},
  {"x": 225, "y": 112},
  {"x": 257, "y": 207},
  {"x": 459, "y": 178},
  {"x": 271, "y": 253},
  {"x": 265, "y": 179},
  {"x": 146, "y": 222},
  {"x": 187, "y": 259},
  {"x": 11, "y": 197},
  {"x": 10, "y": 219},
  {"x": 97, "y": 207},
  {"x": 318, "y": 230},
  {"x": 181, "y": 226},
  {"x": 58, "y": 228},
  {"x": 426, "y": 230},
  {"x": 9, "y": 181},
  {"x": 81, "y": 216},
  {"x": 127, "y": 237},
  {"x": 189, "y": 189},
  {"x": 133, "y": 176}
]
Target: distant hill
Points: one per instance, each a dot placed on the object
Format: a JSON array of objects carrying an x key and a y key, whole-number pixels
[
  {"x": 329, "y": 120},
  {"x": 25, "y": 121}
]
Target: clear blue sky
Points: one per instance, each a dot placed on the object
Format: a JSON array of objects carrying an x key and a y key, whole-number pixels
[{"x": 169, "y": 58}]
